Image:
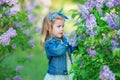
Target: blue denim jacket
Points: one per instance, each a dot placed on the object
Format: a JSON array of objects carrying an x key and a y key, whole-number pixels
[{"x": 56, "y": 54}]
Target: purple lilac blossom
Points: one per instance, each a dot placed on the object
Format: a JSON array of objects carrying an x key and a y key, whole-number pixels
[
  {"x": 116, "y": 2},
  {"x": 0, "y": 15},
  {"x": 114, "y": 43},
  {"x": 1, "y": 1},
  {"x": 92, "y": 52},
  {"x": 27, "y": 32},
  {"x": 81, "y": 36},
  {"x": 91, "y": 21},
  {"x": 18, "y": 68},
  {"x": 14, "y": 46},
  {"x": 84, "y": 11},
  {"x": 38, "y": 29},
  {"x": 67, "y": 35},
  {"x": 12, "y": 2},
  {"x": 90, "y": 24},
  {"x": 110, "y": 3},
  {"x": 112, "y": 21},
  {"x": 90, "y": 4},
  {"x": 32, "y": 42},
  {"x": 7, "y": 79},
  {"x": 14, "y": 10},
  {"x": 30, "y": 57},
  {"x": 30, "y": 7},
  {"x": 99, "y": 3},
  {"x": 17, "y": 78},
  {"x": 5, "y": 37},
  {"x": 106, "y": 74},
  {"x": 31, "y": 18},
  {"x": 119, "y": 32},
  {"x": 72, "y": 41}
]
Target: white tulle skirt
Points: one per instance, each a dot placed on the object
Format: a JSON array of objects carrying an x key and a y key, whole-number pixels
[
  {"x": 61, "y": 77},
  {"x": 58, "y": 77}
]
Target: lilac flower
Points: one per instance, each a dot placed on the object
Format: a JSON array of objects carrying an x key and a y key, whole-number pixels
[
  {"x": 91, "y": 21},
  {"x": 5, "y": 37},
  {"x": 18, "y": 68},
  {"x": 31, "y": 18},
  {"x": 14, "y": 46},
  {"x": 72, "y": 41},
  {"x": 106, "y": 74},
  {"x": 38, "y": 29},
  {"x": 30, "y": 57},
  {"x": 67, "y": 35},
  {"x": 81, "y": 36},
  {"x": 4, "y": 40},
  {"x": 27, "y": 32},
  {"x": 0, "y": 15},
  {"x": 11, "y": 32},
  {"x": 114, "y": 43},
  {"x": 90, "y": 24},
  {"x": 112, "y": 21},
  {"x": 84, "y": 11},
  {"x": 7, "y": 79},
  {"x": 11, "y": 2},
  {"x": 14, "y": 10},
  {"x": 99, "y": 3},
  {"x": 90, "y": 4},
  {"x": 116, "y": 2},
  {"x": 1, "y": 1},
  {"x": 91, "y": 52},
  {"x": 30, "y": 7},
  {"x": 32, "y": 42},
  {"x": 109, "y": 4},
  {"x": 17, "y": 78},
  {"x": 118, "y": 32}
]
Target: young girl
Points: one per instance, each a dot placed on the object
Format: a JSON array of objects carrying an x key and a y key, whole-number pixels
[{"x": 57, "y": 49}]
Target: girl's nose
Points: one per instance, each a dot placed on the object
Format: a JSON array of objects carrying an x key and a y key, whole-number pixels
[{"x": 62, "y": 28}]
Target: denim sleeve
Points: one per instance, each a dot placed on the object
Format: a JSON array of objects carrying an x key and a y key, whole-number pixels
[
  {"x": 55, "y": 50},
  {"x": 73, "y": 48}
]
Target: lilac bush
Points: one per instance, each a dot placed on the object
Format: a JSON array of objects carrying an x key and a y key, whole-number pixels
[
  {"x": 16, "y": 32},
  {"x": 106, "y": 74},
  {"x": 98, "y": 38}
]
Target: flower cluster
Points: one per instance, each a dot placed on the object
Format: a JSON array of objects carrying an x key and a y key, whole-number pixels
[
  {"x": 72, "y": 41},
  {"x": 12, "y": 8},
  {"x": 112, "y": 20},
  {"x": 107, "y": 74},
  {"x": 90, "y": 24},
  {"x": 18, "y": 68},
  {"x": 17, "y": 78},
  {"x": 5, "y": 37},
  {"x": 92, "y": 52},
  {"x": 114, "y": 44},
  {"x": 9, "y": 2}
]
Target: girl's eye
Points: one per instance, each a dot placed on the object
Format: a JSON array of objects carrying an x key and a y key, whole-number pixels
[{"x": 60, "y": 26}]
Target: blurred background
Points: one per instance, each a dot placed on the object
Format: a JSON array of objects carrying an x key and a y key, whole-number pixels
[{"x": 20, "y": 61}]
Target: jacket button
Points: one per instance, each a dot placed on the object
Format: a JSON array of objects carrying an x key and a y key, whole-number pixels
[
  {"x": 66, "y": 45},
  {"x": 65, "y": 73}
]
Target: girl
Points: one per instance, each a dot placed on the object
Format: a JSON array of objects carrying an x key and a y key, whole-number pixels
[{"x": 57, "y": 49}]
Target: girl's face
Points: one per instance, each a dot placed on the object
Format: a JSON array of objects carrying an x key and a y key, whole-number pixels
[{"x": 58, "y": 28}]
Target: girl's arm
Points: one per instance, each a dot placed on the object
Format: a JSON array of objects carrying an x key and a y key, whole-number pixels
[
  {"x": 73, "y": 48},
  {"x": 55, "y": 50}
]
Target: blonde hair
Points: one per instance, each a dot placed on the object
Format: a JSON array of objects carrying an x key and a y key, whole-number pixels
[{"x": 47, "y": 27}]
